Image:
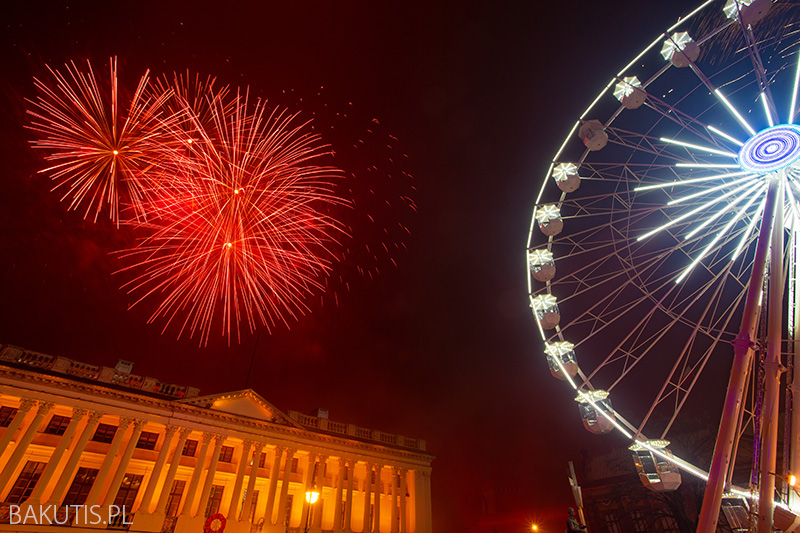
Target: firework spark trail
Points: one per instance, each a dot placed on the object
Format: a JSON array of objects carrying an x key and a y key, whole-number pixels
[
  {"x": 101, "y": 154},
  {"x": 239, "y": 230}
]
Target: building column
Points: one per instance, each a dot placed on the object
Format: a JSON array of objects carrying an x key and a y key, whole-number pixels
[
  {"x": 308, "y": 483},
  {"x": 269, "y": 511},
  {"x": 147, "y": 499},
  {"x": 367, "y": 496},
  {"x": 393, "y": 514},
  {"x": 318, "y": 508},
  {"x": 94, "y": 493},
  {"x": 36, "y": 496},
  {"x": 123, "y": 463},
  {"x": 251, "y": 482},
  {"x": 337, "y": 499},
  {"x": 209, "y": 481},
  {"x": 403, "y": 491},
  {"x": 21, "y": 447},
  {"x": 166, "y": 488},
  {"x": 233, "y": 505},
  {"x": 69, "y": 470},
  {"x": 287, "y": 473},
  {"x": 348, "y": 500},
  {"x": 422, "y": 502},
  {"x": 378, "y": 491},
  {"x": 191, "y": 494},
  {"x": 24, "y": 406}
]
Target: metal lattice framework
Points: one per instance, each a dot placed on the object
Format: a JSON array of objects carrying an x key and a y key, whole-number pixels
[{"x": 655, "y": 219}]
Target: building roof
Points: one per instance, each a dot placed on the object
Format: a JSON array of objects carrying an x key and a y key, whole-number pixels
[{"x": 245, "y": 402}]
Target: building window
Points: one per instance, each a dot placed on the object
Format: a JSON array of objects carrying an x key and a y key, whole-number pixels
[
  {"x": 344, "y": 515},
  {"x": 669, "y": 525},
  {"x": 371, "y": 516},
  {"x": 175, "y": 495},
  {"x": 127, "y": 492},
  {"x": 262, "y": 460},
  {"x": 190, "y": 448},
  {"x": 253, "y": 504},
  {"x": 7, "y": 414},
  {"x": 104, "y": 433},
  {"x": 81, "y": 485},
  {"x": 295, "y": 464},
  {"x": 214, "y": 500},
  {"x": 226, "y": 454},
  {"x": 638, "y": 522},
  {"x": 288, "y": 515},
  {"x": 372, "y": 477},
  {"x": 612, "y": 523},
  {"x": 147, "y": 440},
  {"x": 25, "y": 482},
  {"x": 58, "y": 425},
  {"x": 346, "y": 473}
]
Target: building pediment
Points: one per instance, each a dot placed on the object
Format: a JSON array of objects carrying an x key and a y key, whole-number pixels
[{"x": 242, "y": 403}]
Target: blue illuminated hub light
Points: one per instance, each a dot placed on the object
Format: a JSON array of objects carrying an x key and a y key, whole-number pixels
[{"x": 771, "y": 149}]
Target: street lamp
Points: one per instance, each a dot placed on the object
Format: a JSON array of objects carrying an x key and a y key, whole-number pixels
[{"x": 311, "y": 497}]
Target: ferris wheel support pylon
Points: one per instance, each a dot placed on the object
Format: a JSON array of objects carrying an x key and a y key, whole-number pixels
[
  {"x": 743, "y": 352},
  {"x": 794, "y": 325},
  {"x": 772, "y": 370}
]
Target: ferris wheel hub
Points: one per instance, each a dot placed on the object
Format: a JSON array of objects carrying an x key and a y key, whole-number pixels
[{"x": 771, "y": 149}]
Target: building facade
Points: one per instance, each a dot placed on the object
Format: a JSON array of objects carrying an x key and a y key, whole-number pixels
[{"x": 99, "y": 448}]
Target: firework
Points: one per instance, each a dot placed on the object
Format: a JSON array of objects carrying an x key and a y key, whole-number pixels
[
  {"x": 377, "y": 183},
  {"x": 238, "y": 224},
  {"x": 102, "y": 153}
]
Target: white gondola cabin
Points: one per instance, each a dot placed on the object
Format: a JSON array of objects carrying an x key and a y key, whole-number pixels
[
  {"x": 596, "y": 412},
  {"x": 567, "y": 177},
  {"x": 545, "y": 307},
  {"x": 630, "y": 93},
  {"x": 593, "y": 135},
  {"x": 680, "y": 50},
  {"x": 561, "y": 359},
  {"x": 749, "y": 11},
  {"x": 656, "y": 471},
  {"x": 542, "y": 265},
  {"x": 549, "y": 218}
]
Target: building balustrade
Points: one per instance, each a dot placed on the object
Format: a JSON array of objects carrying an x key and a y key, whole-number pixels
[{"x": 356, "y": 431}]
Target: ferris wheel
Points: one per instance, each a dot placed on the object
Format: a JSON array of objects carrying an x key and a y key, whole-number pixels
[{"x": 662, "y": 247}]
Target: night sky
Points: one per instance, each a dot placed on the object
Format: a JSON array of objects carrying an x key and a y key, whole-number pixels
[{"x": 442, "y": 347}]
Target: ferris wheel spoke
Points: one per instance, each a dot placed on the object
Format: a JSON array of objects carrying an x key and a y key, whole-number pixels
[
  {"x": 700, "y": 148},
  {"x": 725, "y": 230},
  {"x": 649, "y": 343},
  {"x": 684, "y": 120},
  {"x": 702, "y": 207},
  {"x": 682, "y": 363},
  {"x": 642, "y": 144},
  {"x": 793, "y": 105},
  {"x": 724, "y": 135},
  {"x": 692, "y": 181},
  {"x": 760, "y": 72}
]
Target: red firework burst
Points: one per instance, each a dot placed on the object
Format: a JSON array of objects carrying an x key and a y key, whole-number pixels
[
  {"x": 238, "y": 224},
  {"x": 101, "y": 153}
]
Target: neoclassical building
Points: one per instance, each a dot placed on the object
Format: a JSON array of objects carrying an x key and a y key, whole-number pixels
[{"x": 73, "y": 434}]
